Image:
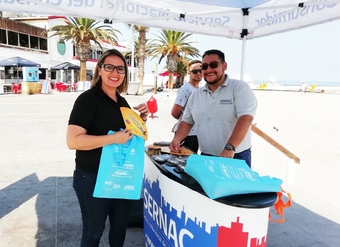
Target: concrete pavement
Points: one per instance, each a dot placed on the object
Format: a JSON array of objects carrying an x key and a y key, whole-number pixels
[{"x": 38, "y": 206}]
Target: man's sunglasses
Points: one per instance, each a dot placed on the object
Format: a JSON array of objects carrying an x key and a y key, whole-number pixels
[
  {"x": 111, "y": 68},
  {"x": 195, "y": 71},
  {"x": 212, "y": 65}
]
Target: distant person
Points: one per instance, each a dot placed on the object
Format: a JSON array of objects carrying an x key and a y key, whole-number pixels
[
  {"x": 304, "y": 87},
  {"x": 183, "y": 94},
  {"x": 96, "y": 112},
  {"x": 222, "y": 112}
]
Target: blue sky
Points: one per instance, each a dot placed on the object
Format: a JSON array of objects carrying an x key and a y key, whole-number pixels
[{"x": 310, "y": 54}]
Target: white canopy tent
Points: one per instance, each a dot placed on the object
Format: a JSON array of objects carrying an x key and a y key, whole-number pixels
[{"x": 244, "y": 20}]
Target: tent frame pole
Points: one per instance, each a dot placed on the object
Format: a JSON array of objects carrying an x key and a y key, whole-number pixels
[
  {"x": 243, "y": 35},
  {"x": 17, "y": 74},
  {"x": 243, "y": 55}
]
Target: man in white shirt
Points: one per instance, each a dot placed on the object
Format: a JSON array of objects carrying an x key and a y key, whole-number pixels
[{"x": 183, "y": 94}]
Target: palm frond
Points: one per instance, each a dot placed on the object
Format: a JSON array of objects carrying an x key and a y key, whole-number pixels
[{"x": 81, "y": 31}]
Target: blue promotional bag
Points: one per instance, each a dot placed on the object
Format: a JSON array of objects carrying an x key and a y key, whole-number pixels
[
  {"x": 121, "y": 170},
  {"x": 221, "y": 177}
]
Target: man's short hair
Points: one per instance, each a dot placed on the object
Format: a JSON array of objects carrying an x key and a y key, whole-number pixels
[
  {"x": 193, "y": 62},
  {"x": 215, "y": 52}
]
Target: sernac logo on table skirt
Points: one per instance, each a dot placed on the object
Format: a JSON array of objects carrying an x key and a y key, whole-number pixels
[{"x": 176, "y": 216}]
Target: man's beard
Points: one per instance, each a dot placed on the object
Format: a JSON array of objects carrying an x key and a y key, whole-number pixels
[{"x": 214, "y": 81}]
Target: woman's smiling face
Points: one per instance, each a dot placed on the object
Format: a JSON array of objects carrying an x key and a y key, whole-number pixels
[{"x": 111, "y": 72}]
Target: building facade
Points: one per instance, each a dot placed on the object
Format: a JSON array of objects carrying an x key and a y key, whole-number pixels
[{"x": 24, "y": 37}]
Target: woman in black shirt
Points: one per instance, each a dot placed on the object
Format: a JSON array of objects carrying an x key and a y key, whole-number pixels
[{"x": 95, "y": 112}]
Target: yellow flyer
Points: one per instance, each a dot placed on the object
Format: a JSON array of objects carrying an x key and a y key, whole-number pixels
[{"x": 134, "y": 122}]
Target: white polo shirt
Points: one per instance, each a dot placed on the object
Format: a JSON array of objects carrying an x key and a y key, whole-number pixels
[{"x": 182, "y": 97}]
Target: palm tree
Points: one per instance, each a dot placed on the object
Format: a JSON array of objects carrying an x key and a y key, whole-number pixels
[
  {"x": 181, "y": 69},
  {"x": 173, "y": 45},
  {"x": 147, "y": 52},
  {"x": 141, "y": 52},
  {"x": 82, "y": 31}
]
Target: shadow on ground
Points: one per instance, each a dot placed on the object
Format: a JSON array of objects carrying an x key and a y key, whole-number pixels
[
  {"x": 57, "y": 211},
  {"x": 303, "y": 228},
  {"x": 59, "y": 221}
]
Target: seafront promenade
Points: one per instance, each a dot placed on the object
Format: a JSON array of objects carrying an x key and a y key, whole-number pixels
[{"x": 38, "y": 206}]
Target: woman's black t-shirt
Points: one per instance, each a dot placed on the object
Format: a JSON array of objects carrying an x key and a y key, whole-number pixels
[{"x": 97, "y": 113}]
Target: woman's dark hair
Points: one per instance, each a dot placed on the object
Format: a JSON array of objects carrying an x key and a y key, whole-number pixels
[
  {"x": 215, "y": 52},
  {"x": 97, "y": 78}
]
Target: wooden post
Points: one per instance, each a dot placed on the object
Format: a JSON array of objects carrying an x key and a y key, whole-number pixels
[{"x": 275, "y": 144}]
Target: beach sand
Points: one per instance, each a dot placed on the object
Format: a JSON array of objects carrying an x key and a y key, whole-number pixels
[
  {"x": 33, "y": 129},
  {"x": 307, "y": 124}
]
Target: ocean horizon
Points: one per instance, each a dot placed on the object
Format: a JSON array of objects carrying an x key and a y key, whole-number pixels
[
  {"x": 149, "y": 81},
  {"x": 299, "y": 83}
]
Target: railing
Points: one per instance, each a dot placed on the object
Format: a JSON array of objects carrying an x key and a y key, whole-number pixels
[{"x": 291, "y": 169}]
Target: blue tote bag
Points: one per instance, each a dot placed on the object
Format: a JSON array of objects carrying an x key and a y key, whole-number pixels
[
  {"x": 121, "y": 170},
  {"x": 221, "y": 177}
]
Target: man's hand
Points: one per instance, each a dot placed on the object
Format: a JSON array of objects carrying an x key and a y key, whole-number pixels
[
  {"x": 175, "y": 145},
  {"x": 227, "y": 153}
]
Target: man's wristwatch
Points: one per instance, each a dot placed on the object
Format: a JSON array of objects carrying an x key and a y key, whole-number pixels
[{"x": 230, "y": 146}]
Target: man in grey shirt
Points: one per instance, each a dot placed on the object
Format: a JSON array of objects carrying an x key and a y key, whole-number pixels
[{"x": 222, "y": 111}]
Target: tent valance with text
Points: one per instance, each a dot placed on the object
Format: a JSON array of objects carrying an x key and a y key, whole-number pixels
[{"x": 233, "y": 19}]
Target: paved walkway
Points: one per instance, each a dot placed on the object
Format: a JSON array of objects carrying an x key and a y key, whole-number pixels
[{"x": 38, "y": 206}]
